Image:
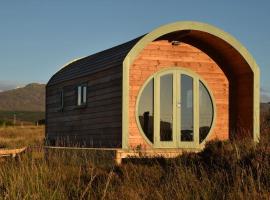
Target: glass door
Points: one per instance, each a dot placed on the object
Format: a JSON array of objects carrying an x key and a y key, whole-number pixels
[
  {"x": 186, "y": 109},
  {"x": 174, "y": 118},
  {"x": 175, "y": 110},
  {"x": 165, "y": 115}
]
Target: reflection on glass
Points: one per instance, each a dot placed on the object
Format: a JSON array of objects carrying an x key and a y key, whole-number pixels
[
  {"x": 79, "y": 95},
  {"x": 146, "y": 109},
  {"x": 166, "y": 107},
  {"x": 206, "y": 112},
  {"x": 187, "y": 132}
]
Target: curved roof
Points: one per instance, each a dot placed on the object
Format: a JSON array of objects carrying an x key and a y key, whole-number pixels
[
  {"x": 112, "y": 57},
  {"x": 218, "y": 44},
  {"x": 229, "y": 53},
  {"x": 201, "y": 35}
]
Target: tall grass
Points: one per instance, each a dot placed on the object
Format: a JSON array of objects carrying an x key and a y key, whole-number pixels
[
  {"x": 20, "y": 136},
  {"x": 223, "y": 170}
]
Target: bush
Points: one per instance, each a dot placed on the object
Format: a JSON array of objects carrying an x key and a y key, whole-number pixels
[{"x": 5, "y": 123}]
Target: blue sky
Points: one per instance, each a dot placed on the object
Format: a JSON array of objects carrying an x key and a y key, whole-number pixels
[{"x": 38, "y": 37}]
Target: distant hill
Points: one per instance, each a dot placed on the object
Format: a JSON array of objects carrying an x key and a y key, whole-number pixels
[
  {"x": 28, "y": 98},
  {"x": 265, "y": 108}
]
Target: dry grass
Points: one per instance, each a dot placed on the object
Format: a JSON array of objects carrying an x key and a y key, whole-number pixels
[
  {"x": 13, "y": 137},
  {"x": 224, "y": 170}
]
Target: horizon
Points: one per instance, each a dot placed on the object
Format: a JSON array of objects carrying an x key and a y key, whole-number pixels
[{"x": 44, "y": 36}]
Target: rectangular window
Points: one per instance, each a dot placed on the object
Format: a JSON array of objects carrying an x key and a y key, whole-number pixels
[{"x": 82, "y": 95}]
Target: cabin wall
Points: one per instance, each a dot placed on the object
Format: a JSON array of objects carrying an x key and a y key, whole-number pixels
[
  {"x": 99, "y": 124},
  {"x": 162, "y": 54},
  {"x": 244, "y": 106}
]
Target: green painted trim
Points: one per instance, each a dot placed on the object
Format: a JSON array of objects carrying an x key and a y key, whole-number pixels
[
  {"x": 158, "y": 143},
  {"x": 176, "y": 88},
  {"x": 125, "y": 104},
  {"x": 256, "y": 106},
  {"x": 176, "y": 143},
  {"x": 190, "y": 25}
]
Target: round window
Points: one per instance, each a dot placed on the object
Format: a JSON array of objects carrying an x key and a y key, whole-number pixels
[{"x": 174, "y": 109}]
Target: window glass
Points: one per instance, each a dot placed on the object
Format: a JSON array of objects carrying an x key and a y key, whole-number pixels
[
  {"x": 206, "y": 112},
  {"x": 186, "y": 104},
  {"x": 82, "y": 95},
  {"x": 166, "y": 107},
  {"x": 183, "y": 124},
  {"x": 79, "y": 95},
  {"x": 146, "y": 110}
]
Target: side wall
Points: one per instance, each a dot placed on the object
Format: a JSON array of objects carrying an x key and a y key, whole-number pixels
[
  {"x": 243, "y": 126},
  {"x": 162, "y": 54},
  {"x": 96, "y": 125}
]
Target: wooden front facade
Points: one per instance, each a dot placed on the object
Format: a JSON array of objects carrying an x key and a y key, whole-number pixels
[
  {"x": 160, "y": 55},
  {"x": 115, "y": 77}
]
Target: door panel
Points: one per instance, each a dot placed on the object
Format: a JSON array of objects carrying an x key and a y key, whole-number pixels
[
  {"x": 175, "y": 110},
  {"x": 186, "y": 119},
  {"x": 166, "y": 107}
]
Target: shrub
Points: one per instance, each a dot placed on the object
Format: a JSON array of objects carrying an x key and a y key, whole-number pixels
[{"x": 5, "y": 123}]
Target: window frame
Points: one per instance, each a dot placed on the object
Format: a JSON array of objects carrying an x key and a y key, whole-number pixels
[
  {"x": 196, "y": 79},
  {"x": 83, "y": 96}
]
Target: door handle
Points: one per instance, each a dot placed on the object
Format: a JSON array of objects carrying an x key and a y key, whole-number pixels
[{"x": 178, "y": 105}]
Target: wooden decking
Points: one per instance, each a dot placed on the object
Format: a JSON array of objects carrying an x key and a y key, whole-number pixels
[
  {"x": 11, "y": 152},
  {"x": 118, "y": 153},
  {"x": 150, "y": 153}
]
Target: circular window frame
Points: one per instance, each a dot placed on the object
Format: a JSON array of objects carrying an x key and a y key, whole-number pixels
[{"x": 169, "y": 70}]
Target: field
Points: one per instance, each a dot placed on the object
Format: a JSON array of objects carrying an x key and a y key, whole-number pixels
[
  {"x": 223, "y": 170},
  {"x": 22, "y": 117},
  {"x": 15, "y": 137}
]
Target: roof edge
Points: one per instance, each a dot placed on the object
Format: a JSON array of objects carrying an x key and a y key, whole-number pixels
[{"x": 196, "y": 26}]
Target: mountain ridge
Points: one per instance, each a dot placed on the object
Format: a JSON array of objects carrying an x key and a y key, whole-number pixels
[{"x": 28, "y": 98}]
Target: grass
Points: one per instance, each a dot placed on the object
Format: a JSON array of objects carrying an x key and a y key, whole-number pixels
[
  {"x": 223, "y": 170},
  {"x": 20, "y": 136},
  {"x": 22, "y": 116}
]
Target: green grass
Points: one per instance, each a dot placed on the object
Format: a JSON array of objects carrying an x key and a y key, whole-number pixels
[{"x": 25, "y": 116}]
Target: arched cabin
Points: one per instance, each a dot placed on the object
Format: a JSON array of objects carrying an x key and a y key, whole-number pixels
[{"x": 174, "y": 88}]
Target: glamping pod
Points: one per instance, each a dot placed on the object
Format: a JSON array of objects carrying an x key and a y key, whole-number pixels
[{"x": 170, "y": 90}]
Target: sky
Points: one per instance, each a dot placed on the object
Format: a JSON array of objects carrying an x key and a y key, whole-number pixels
[{"x": 38, "y": 37}]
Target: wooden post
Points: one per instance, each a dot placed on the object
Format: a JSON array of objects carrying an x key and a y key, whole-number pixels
[{"x": 14, "y": 119}]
